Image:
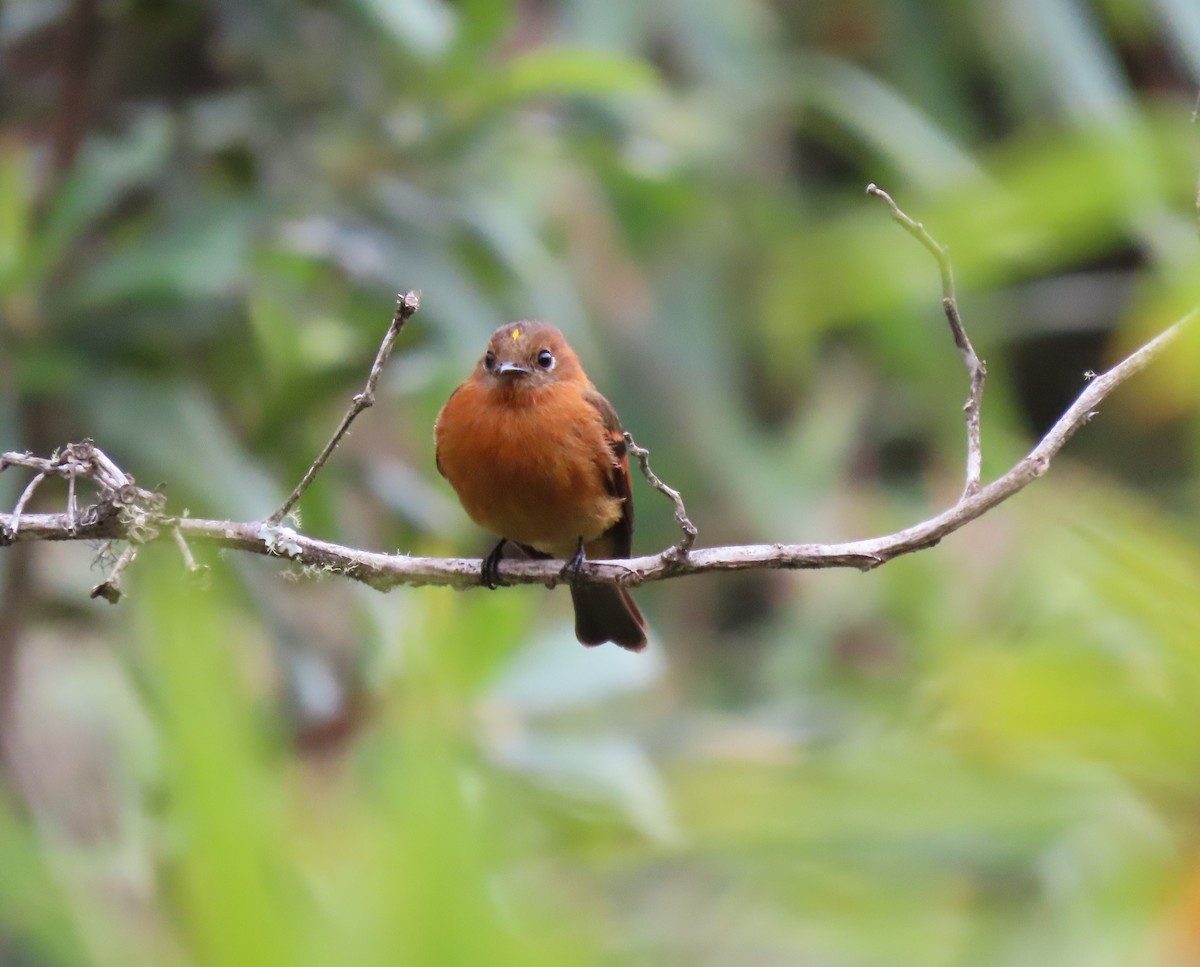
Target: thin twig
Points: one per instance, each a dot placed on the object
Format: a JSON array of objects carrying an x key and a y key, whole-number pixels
[
  {"x": 189, "y": 560},
  {"x": 72, "y": 508},
  {"x": 110, "y": 589},
  {"x": 976, "y": 367},
  {"x": 384, "y": 571},
  {"x": 406, "y": 306},
  {"x": 22, "y": 501},
  {"x": 681, "y": 516},
  {"x": 113, "y": 475}
]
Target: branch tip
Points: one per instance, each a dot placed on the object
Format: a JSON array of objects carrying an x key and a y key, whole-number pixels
[{"x": 407, "y": 304}]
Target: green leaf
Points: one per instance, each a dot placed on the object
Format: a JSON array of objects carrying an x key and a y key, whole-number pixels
[
  {"x": 16, "y": 175},
  {"x": 573, "y": 72},
  {"x": 916, "y": 146},
  {"x": 424, "y": 27},
  {"x": 232, "y": 888},
  {"x": 201, "y": 257},
  {"x": 35, "y": 916},
  {"x": 107, "y": 168},
  {"x": 481, "y": 24}
]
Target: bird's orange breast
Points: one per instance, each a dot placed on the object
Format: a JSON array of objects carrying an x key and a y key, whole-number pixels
[{"x": 529, "y": 464}]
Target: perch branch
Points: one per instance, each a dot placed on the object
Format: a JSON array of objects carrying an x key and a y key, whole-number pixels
[
  {"x": 976, "y": 367},
  {"x": 406, "y": 306},
  {"x": 110, "y": 518},
  {"x": 124, "y": 511}
]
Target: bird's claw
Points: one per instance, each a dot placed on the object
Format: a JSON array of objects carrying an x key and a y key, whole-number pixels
[
  {"x": 489, "y": 570},
  {"x": 572, "y": 569}
]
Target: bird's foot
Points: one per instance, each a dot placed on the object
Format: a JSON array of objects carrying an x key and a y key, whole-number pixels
[
  {"x": 571, "y": 570},
  {"x": 489, "y": 571}
]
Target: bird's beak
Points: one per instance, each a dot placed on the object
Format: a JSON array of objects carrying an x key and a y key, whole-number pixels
[{"x": 512, "y": 368}]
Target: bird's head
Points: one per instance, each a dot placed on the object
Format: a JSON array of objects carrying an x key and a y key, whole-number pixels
[{"x": 528, "y": 355}]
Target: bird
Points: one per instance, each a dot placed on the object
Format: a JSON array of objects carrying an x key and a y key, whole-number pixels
[{"x": 537, "y": 455}]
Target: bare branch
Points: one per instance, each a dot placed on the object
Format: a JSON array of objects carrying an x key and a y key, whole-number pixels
[
  {"x": 407, "y": 305},
  {"x": 124, "y": 508},
  {"x": 383, "y": 571},
  {"x": 976, "y": 367}
]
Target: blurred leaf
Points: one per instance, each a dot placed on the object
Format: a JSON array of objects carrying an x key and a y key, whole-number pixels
[
  {"x": 1055, "y": 203},
  {"x": 1084, "y": 76},
  {"x": 16, "y": 175},
  {"x": 205, "y": 257},
  {"x": 409, "y": 494},
  {"x": 35, "y": 916},
  {"x": 232, "y": 890},
  {"x": 919, "y": 151},
  {"x": 106, "y": 169},
  {"x": 425, "y": 27},
  {"x": 612, "y": 771},
  {"x": 275, "y": 327},
  {"x": 20, "y": 18},
  {"x": 46, "y": 369},
  {"x": 482, "y": 23},
  {"x": 403, "y": 259},
  {"x": 1182, "y": 21},
  {"x": 1112, "y": 683},
  {"x": 550, "y": 676},
  {"x": 566, "y": 72}
]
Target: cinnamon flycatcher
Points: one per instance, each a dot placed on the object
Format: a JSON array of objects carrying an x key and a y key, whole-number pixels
[{"x": 537, "y": 455}]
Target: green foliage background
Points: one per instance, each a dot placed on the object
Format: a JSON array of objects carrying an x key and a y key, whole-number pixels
[{"x": 985, "y": 754}]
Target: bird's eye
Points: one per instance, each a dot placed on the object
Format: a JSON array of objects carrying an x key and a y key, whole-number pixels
[
  {"x": 489, "y": 361},
  {"x": 545, "y": 359}
]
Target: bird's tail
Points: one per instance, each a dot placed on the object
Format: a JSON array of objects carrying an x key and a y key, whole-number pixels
[{"x": 607, "y": 613}]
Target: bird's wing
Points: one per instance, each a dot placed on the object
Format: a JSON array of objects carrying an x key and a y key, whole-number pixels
[
  {"x": 437, "y": 457},
  {"x": 616, "y": 479}
]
